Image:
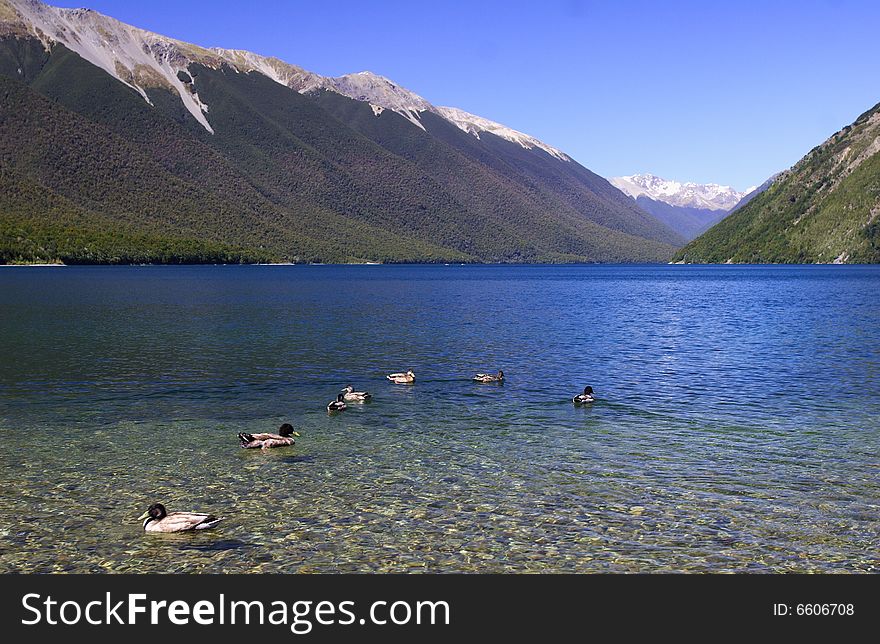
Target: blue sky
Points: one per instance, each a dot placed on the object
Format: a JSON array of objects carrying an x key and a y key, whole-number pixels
[{"x": 726, "y": 92}]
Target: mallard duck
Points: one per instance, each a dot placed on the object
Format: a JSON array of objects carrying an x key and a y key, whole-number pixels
[
  {"x": 488, "y": 377},
  {"x": 283, "y": 438},
  {"x": 350, "y": 395},
  {"x": 338, "y": 404},
  {"x": 157, "y": 519},
  {"x": 584, "y": 398},
  {"x": 402, "y": 378}
]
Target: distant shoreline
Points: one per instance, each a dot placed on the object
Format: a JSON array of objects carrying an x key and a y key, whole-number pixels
[{"x": 59, "y": 265}]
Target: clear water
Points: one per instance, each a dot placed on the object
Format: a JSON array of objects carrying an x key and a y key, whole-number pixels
[{"x": 738, "y": 426}]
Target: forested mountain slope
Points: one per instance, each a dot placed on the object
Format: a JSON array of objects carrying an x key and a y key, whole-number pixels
[{"x": 120, "y": 145}]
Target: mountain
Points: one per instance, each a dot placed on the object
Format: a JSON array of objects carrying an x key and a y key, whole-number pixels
[
  {"x": 687, "y": 208},
  {"x": 708, "y": 196},
  {"x": 824, "y": 209},
  {"x": 122, "y": 145}
]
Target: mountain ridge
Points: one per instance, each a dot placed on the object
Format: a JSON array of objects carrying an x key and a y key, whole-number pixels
[{"x": 141, "y": 59}]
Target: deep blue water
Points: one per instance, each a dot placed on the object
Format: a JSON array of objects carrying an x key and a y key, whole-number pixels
[{"x": 737, "y": 426}]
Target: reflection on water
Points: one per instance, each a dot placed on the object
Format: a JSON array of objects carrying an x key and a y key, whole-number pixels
[{"x": 737, "y": 429}]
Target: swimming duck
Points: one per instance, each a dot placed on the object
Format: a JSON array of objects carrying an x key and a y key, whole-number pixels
[
  {"x": 488, "y": 377},
  {"x": 283, "y": 438},
  {"x": 157, "y": 519},
  {"x": 584, "y": 398},
  {"x": 350, "y": 395},
  {"x": 402, "y": 378},
  {"x": 338, "y": 404}
]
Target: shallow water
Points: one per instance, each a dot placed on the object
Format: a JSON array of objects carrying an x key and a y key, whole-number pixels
[{"x": 737, "y": 426}]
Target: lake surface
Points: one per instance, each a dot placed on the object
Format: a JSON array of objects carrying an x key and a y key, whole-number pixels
[{"x": 737, "y": 426}]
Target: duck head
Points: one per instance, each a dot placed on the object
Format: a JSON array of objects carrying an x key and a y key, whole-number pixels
[
  {"x": 500, "y": 375},
  {"x": 287, "y": 430},
  {"x": 156, "y": 512},
  {"x": 348, "y": 389},
  {"x": 588, "y": 391},
  {"x": 340, "y": 397},
  {"x": 411, "y": 374}
]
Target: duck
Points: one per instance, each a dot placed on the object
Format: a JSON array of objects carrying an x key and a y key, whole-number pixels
[
  {"x": 158, "y": 519},
  {"x": 488, "y": 377},
  {"x": 584, "y": 398},
  {"x": 402, "y": 378},
  {"x": 283, "y": 438},
  {"x": 338, "y": 404},
  {"x": 350, "y": 395}
]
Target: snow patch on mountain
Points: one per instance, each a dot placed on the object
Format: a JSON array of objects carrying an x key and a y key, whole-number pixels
[
  {"x": 138, "y": 58},
  {"x": 473, "y": 124},
  {"x": 284, "y": 73},
  {"x": 710, "y": 196},
  {"x": 380, "y": 91}
]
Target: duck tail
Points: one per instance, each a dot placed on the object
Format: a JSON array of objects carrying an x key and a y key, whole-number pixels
[{"x": 209, "y": 522}]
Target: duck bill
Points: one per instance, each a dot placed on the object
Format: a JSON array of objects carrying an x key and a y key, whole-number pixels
[
  {"x": 296, "y": 434},
  {"x": 145, "y": 515}
]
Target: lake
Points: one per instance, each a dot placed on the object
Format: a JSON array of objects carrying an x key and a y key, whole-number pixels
[{"x": 737, "y": 426}]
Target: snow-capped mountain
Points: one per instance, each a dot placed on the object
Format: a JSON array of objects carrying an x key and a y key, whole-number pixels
[
  {"x": 142, "y": 59},
  {"x": 688, "y": 208},
  {"x": 708, "y": 196}
]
